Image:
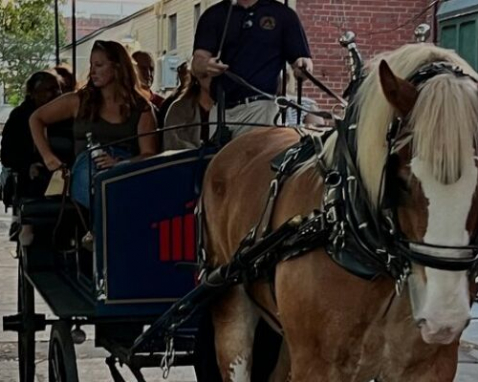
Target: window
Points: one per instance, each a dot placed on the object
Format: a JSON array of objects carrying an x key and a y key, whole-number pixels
[
  {"x": 173, "y": 32},
  {"x": 197, "y": 14}
]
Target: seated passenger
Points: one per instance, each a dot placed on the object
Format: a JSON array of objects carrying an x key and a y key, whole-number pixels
[
  {"x": 68, "y": 81},
  {"x": 183, "y": 78},
  {"x": 145, "y": 65},
  {"x": 191, "y": 108},
  {"x": 111, "y": 106},
  {"x": 18, "y": 153}
]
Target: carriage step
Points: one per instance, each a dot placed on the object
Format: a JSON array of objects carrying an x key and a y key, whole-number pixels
[{"x": 17, "y": 323}]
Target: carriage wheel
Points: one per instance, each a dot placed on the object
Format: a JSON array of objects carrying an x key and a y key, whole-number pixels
[
  {"x": 61, "y": 355},
  {"x": 26, "y": 336}
]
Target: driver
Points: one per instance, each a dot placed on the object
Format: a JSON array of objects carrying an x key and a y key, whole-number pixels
[{"x": 262, "y": 36}]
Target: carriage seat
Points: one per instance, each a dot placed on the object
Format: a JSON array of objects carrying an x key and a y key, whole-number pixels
[{"x": 44, "y": 210}]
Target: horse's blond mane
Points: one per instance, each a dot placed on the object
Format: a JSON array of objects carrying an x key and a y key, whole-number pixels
[{"x": 444, "y": 119}]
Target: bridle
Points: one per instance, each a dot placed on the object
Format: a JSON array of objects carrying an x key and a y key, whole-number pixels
[{"x": 374, "y": 234}]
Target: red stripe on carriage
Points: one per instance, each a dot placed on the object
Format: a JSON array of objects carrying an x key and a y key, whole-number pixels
[
  {"x": 177, "y": 238},
  {"x": 189, "y": 237},
  {"x": 165, "y": 240}
]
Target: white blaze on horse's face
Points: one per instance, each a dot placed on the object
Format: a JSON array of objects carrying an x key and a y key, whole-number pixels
[{"x": 441, "y": 300}]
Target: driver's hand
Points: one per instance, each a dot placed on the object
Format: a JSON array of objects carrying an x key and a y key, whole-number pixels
[
  {"x": 215, "y": 68},
  {"x": 303, "y": 62}
]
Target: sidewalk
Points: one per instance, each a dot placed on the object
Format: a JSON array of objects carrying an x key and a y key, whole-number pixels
[{"x": 91, "y": 365}]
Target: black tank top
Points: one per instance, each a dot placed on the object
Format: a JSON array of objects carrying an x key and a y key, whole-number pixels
[{"x": 105, "y": 132}]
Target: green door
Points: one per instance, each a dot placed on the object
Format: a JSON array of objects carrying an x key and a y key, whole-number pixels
[{"x": 460, "y": 34}]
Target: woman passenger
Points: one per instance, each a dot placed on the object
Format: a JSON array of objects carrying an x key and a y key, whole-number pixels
[
  {"x": 191, "y": 108},
  {"x": 111, "y": 106}
]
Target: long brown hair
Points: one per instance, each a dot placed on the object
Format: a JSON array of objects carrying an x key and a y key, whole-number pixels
[{"x": 128, "y": 90}]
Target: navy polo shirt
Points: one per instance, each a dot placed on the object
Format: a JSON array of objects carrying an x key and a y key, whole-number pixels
[{"x": 259, "y": 40}]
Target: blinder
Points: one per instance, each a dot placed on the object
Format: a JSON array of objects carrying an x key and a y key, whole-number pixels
[{"x": 375, "y": 234}]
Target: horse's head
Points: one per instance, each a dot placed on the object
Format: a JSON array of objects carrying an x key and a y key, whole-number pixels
[{"x": 435, "y": 181}]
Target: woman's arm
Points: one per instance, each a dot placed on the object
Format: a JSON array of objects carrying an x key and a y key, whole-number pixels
[{"x": 60, "y": 109}]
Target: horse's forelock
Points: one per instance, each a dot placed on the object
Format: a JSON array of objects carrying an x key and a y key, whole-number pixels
[
  {"x": 444, "y": 137},
  {"x": 374, "y": 114}
]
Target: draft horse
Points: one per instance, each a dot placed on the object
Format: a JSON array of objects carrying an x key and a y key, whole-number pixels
[{"x": 413, "y": 156}]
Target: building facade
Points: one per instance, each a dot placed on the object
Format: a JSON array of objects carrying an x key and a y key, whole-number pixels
[
  {"x": 379, "y": 25},
  {"x": 166, "y": 29}
]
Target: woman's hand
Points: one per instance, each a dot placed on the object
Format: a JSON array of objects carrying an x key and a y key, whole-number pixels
[
  {"x": 105, "y": 161},
  {"x": 52, "y": 162}
]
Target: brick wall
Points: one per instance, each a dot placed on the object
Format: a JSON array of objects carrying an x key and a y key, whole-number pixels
[
  {"x": 372, "y": 22},
  {"x": 85, "y": 26}
]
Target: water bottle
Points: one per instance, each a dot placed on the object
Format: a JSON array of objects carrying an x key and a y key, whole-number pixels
[{"x": 93, "y": 146}]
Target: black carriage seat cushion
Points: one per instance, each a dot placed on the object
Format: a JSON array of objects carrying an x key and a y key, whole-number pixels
[{"x": 44, "y": 210}]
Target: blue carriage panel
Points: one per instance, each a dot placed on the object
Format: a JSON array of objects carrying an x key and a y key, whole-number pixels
[{"x": 145, "y": 226}]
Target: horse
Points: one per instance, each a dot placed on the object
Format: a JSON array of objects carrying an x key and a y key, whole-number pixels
[{"x": 337, "y": 326}]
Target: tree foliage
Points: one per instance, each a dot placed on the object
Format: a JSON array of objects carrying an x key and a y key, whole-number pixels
[{"x": 27, "y": 42}]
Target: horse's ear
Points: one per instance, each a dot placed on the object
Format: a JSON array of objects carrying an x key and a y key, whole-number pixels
[{"x": 401, "y": 94}]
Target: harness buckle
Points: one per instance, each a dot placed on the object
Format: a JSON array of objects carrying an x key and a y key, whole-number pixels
[
  {"x": 274, "y": 187},
  {"x": 331, "y": 215},
  {"x": 390, "y": 257},
  {"x": 333, "y": 179},
  {"x": 291, "y": 155},
  {"x": 402, "y": 281}
]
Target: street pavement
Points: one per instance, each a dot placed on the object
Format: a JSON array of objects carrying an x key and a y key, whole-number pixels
[{"x": 91, "y": 364}]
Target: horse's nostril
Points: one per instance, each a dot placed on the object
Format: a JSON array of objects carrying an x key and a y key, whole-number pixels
[{"x": 420, "y": 322}]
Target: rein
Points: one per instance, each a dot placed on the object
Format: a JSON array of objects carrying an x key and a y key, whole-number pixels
[{"x": 284, "y": 102}]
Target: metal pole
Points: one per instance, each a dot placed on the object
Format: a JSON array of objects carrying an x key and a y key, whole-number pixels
[
  {"x": 57, "y": 34},
  {"x": 73, "y": 36},
  {"x": 300, "y": 83},
  {"x": 221, "y": 129},
  {"x": 435, "y": 24},
  {"x": 284, "y": 81}
]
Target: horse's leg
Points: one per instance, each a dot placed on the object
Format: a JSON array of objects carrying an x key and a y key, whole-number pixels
[{"x": 235, "y": 321}]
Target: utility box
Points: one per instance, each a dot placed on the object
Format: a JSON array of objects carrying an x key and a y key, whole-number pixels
[
  {"x": 458, "y": 28},
  {"x": 166, "y": 67}
]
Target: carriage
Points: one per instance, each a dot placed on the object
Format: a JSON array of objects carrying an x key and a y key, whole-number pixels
[{"x": 144, "y": 241}]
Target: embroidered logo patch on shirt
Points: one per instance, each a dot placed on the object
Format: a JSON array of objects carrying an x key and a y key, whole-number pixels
[{"x": 268, "y": 23}]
